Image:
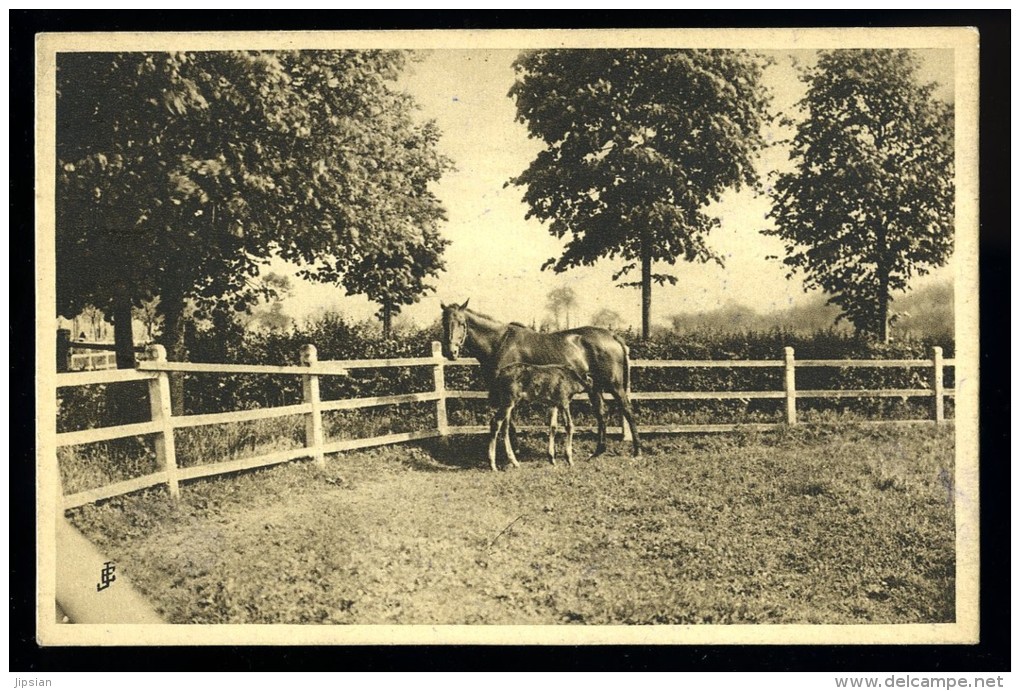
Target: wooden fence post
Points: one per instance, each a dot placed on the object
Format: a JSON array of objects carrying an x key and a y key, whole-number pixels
[
  {"x": 940, "y": 406},
  {"x": 439, "y": 376},
  {"x": 63, "y": 350},
  {"x": 159, "y": 404},
  {"x": 790, "y": 386},
  {"x": 627, "y": 436},
  {"x": 313, "y": 422}
]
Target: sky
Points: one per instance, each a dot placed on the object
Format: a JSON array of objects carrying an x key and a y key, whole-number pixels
[{"x": 495, "y": 255}]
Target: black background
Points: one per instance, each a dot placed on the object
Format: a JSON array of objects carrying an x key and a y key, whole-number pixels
[{"x": 992, "y": 654}]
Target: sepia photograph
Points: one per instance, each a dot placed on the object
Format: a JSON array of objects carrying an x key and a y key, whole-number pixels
[{"x": 529, "y": 337}]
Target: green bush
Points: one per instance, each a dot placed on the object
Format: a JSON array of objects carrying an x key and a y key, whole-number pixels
[
  {"x": 770, "y": 345},
  {"x": 101, "y": 405},
  {"x": 334, "y": 337},
  {"x": 339, "y": 339}
]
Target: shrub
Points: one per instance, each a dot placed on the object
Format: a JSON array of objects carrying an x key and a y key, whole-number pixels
[
  {"x": 769, "y": 345},
  {"x": 334, "y": 337}
]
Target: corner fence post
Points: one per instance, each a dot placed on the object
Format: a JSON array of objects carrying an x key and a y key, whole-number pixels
[
  {"x": 627, "y": 436},
  {"x": 939, "y": 385},
  {"x": 439, "y": 377},
  {"x": 790, "y": 386},
  {"x": 162, "y": 414},
  {"x": 313, "y": 421}
]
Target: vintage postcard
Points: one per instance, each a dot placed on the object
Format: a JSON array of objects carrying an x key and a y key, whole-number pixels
[{"x": 507, "y": 337}]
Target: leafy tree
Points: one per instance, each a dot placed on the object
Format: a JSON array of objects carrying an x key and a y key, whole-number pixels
[
  {"x": 147, "y": 312},
  {"x": 561, "y": 301},
  {"x": 270, "y": 315},
  {"x": 180, "y": 174},
  {"x": 274, "y": 318},
  {"x": 547, "y": 325},
  {"x": 606, "y": 318},
  {"x": 95, "y": 321},
  {"x": 869, "y": 204},
  {"x": 396, "y": 276},
  {"x": 638, "y": 142}
]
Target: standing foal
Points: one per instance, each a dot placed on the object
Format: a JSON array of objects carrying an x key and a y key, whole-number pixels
[{"x": 549, "y": 385}]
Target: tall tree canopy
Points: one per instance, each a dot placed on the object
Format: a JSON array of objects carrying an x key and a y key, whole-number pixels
[
  {"x": 396, "y": 278},
  {"x": 638, "y": 142},
  {"x": 180, "y": 174},
  {"x": 870, "y": 201}
]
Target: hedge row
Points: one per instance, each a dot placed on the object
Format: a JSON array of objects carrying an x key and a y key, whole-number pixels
[{"x": 337, "y": 338}]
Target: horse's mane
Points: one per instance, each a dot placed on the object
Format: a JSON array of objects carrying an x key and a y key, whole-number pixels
[{"x": 483, "y": 315}]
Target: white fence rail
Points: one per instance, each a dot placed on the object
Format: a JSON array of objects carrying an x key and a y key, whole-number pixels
[
  {"x": 92, "y": 361},
  {"x": 163, "y": 423}
]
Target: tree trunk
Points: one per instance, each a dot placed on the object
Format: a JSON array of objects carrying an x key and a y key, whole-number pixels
[
  {"x": 646, "y": 286},
  {"x": 122, "y": 410},
  {"x": 63, "y": 350},
  {"x": 222, "y": 323},
  {"x": 123, "y": 334},
  {"x": 173, "y": 340},
  {"x": 387, "y": 320},
  {"x": 882, "y": 269},
  {"x": 883, "y": 305}
]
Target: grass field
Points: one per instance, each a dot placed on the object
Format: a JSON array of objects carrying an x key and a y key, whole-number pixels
[{"x": 839, "y": 525}]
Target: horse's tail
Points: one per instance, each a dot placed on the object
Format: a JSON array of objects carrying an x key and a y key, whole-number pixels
[{"x": 626, "y": 362}]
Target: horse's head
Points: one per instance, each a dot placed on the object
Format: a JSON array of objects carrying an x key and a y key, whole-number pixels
[{"x": 455, "y": 329}]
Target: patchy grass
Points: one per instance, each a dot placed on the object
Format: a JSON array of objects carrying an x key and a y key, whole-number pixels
[
  {"x": 86, "y": 466},
  {"x": 97, "y": 464},
  {"x": 810, "y": 525}
]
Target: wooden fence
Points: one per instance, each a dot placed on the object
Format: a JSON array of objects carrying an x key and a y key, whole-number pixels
[
  {"x": 71, "y": 358},
  {"x": 91, "y": 361},
  {"x": 162, "y": 424}
]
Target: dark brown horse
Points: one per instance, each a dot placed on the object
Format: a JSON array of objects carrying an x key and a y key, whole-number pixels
[{"x": 587, "y": 350}]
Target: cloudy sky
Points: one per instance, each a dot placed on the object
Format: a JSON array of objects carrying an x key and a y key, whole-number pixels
[{"x": 495, "y": 254}]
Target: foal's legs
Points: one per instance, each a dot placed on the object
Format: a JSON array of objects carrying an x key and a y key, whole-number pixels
[
  {"x": 553, "y": 414},
  {"x": 570, "y": 434},
  {"x": 506, "y": 439},
  {"x": 514, "y": 439},
  {"x": 598, "y": 406},
  {"x": 494, "y": 428}
]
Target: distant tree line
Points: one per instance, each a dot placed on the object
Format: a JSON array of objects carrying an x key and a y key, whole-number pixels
[{"x": 925, "y": 313}]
